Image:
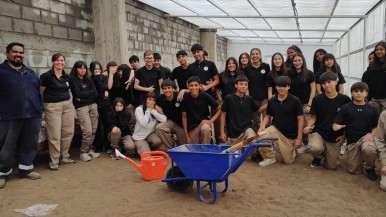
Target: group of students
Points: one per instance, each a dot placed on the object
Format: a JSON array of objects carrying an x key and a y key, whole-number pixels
[{"x": 151, "y": 107}]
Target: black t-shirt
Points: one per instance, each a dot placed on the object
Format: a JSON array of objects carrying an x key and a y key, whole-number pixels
[
  {"x": 376, "y": 79},
  {"x": 299, "y": 88},
  {"x": 270, "y": 81},
  {"x": 84, "y": 90},
  {"x": 284, "y": 114},
  {"x": 239, "y": 113},
  {"x": 326, "y": 110},
  {"x": 359, "y": 120},
  {"x": 57, "y": 90},
  {"x": 181, "y": 75},
  {"x": 148, "y": 78},
  {"x": 341, "y": 79},
  {"x": 171, "y": 109},
  {"x": 229, "y": 87},
  {"x": 197, "y": 109},
  {"x": 165, "y": 72},
  {"x": 257, "y": 81},
  {"x": 205, "y": 70}
]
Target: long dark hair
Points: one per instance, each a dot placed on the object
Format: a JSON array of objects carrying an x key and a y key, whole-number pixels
[
  {"x": 377, "y": 62},
  {"x": 56, "y": 56},
  {"x": 288, "y": 61},
  {"x": 334, "y": 67},
  {"x": 316, "y": 63},
  {"x": 93, "y": 64},
  {"x": 248, "y": 57},
  {"x": 304, "y": 69},
  {"x": 116, "y": 101},
  {"x": 79, "y": 64},
  {"x": 226, "y": 74},
  {"x": 148, "y": 95},
  {"x": 283, "y": 69}
]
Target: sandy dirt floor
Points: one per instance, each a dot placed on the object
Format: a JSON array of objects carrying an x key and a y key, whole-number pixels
[{"x": 104, "y": 187}]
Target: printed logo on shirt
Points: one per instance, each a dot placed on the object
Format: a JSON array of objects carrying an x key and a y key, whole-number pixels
[
  {"x": 84, "y": 85},
  {"x": 263, "y": 71},
  {"x": 206, "y": 68},
  {"x": 67, "y": 83},
  {"x": 177, "y": 104}
]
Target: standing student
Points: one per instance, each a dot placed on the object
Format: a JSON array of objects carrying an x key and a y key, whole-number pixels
[
  {"x": 359, "y": 120},
  {"x": 145, "y": 137},
  {"x": 21, "y": 110},
  {"x": 84, "y": 99},
  {"x": 376, "y": 78},
  {"x": 196, "y": 118},
  {"x": 287, "y": 124},
  {"x": 329, "y": 64},
  {"x": 59, "y": 112},
  {"x": 237, "y": 110},
  {"x": 365, "y": 76},
  {"x": 291, "y": 52},
  {"x": 244, "y": 61},
  {"x": 257, "y": 74},
  {"x": 180, "y": 73},
  {"x": 172, "y": 109},
  {"x": 148, "y": 79},
  {"x": 227, "y": 79},
  {"x": 157, "y": 63},
  {"x": 318, "y": 57},
  {"x": 278, "y": 69},
  {"x": 323, "y": 141},
  {"x": 380, "y": 142}
]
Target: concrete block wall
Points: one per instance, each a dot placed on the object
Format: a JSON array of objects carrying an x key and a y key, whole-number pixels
[
  {"x": 46, "y": 27},
  {"x": 221, "y": 53}
]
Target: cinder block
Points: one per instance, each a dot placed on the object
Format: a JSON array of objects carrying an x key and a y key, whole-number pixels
[
  {"x": 43, "y": 4},
  {"x": 59, "y": 32},
  {"x": 24, "y": 26},
  {"x": 80, "y": 3},
  {"x": 49, "y": 17},
  {"x": 75, "y": 34},
  {"x": 66, "y": 21},
  {"x": 88, "y": 36},
  {"x": 5, "y": 23},
  {"x": 23, "y": 2},
  {"x": 73, "y": 10},
  {"x": 57, "y": 7},
  {"x": 10, "y": 9},
  {"x": 30, "y": 13},
  {"x": 82, "y": 24},
  {"x": 39, "y": 61},
  {"x": 43, "y": 29}
]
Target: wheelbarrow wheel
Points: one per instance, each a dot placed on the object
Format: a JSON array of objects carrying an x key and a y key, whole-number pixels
[{"x": 178, "y": 186}]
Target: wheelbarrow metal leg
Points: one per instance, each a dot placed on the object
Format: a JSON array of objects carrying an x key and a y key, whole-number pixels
[{"x": 213, "y": 190}]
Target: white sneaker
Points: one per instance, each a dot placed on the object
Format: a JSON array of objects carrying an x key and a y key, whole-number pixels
[
  {"x": 267, "y": 161},
  {"x": 343, "y": 149},
  {"x": 85, "y": 157},
  {"x": 94, "y": 154}
]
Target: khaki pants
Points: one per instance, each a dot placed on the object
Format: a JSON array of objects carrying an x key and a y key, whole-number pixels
[
  {"x": 115, "y": 138},
  {"x": 165, "y": 131},
  {"x": 379, "y": 104},
  {"x": 248, "y": 133},
  {"x": 320, "y": 148},
  {"x": 284, "y": 145},
  {"x": 152, "y": 141},
  {"x": 361, "y": 154},
  {"x": 256, "y": 117},
  {"x": 382, "y": 184},
  {"x": 60, "y": 120},
  {"x": 202, "y": 132},
  {"x": 88, "y": 121},
  {"x": 307, "y": 117}
]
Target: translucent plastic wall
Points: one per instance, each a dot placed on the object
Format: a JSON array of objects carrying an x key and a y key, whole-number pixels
[{"x": 352, "y": 50}]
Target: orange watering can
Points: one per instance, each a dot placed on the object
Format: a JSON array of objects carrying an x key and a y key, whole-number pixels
[{"x": 152, "y": 166}]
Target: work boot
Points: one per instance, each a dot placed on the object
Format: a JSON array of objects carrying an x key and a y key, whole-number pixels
[
  {"x": 31, "y": 175},
  {"x": 316, "y": 163},
  {"x": 371, "y": 174}
]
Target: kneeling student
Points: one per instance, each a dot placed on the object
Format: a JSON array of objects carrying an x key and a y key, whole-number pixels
[
  {"x": 237, "y": 110},
  {"x": 323, "y": 141},
  {"x": 380, "y": 141},
  {"x": 359, "y": 120},
  {"x": 287, "y": 124}
]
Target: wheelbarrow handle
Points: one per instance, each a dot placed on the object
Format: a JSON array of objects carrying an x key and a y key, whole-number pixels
[
  {"x": 152, "y": 153},
  {"x": 267, "y": 139},
  {"x": 242, "y": 143}
]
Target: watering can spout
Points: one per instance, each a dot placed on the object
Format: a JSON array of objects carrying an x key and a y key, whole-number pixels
[{"x": 152, "y": 165}]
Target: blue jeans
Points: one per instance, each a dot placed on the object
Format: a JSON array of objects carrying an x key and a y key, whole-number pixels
[{"x": 20, "y": 134}]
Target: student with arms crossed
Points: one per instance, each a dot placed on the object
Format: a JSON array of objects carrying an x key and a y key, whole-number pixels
[
  {"x": 196, "y": 119},
  {"x": 237, "y": 110},
  {"x": 323, "y": 141},
  {"x": 359, "y": 120},
  {"x": 287, "y": 124}
]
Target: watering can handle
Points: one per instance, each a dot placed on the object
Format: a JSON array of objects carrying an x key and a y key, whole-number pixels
[{"x": 157, "y": 153}]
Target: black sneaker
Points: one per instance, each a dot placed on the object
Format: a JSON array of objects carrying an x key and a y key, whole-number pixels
[
  {"x": 371, "y": 174},
  {"x": 256, "y": 157},
  {"x": 316, "y": 163}
]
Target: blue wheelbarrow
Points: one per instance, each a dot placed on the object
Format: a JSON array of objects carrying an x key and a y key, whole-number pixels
[{"x": 206, "y": 163}]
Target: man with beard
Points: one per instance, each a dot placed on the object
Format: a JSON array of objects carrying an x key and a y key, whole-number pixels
[{"x": 21, "y": 110}]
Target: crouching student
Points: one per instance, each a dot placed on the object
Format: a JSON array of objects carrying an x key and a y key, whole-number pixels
[
  {"x": 359, "y": 120},
  {"x": 121, "y": 132},
  {"x": 323, "y": 141},
  {"x": 144, "y": 135},
  {"x": 168, "y": 104},
  {"x": 237, "y": 111},
  {"x": 380, "y": 141},
  {"x": 196, "y": 118},
  {"x": 287, "y": 124}
]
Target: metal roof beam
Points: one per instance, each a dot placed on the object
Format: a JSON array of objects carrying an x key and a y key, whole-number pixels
[
  {"x": 287, "y": 30},
  {"x": 266, "y": 17}
]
